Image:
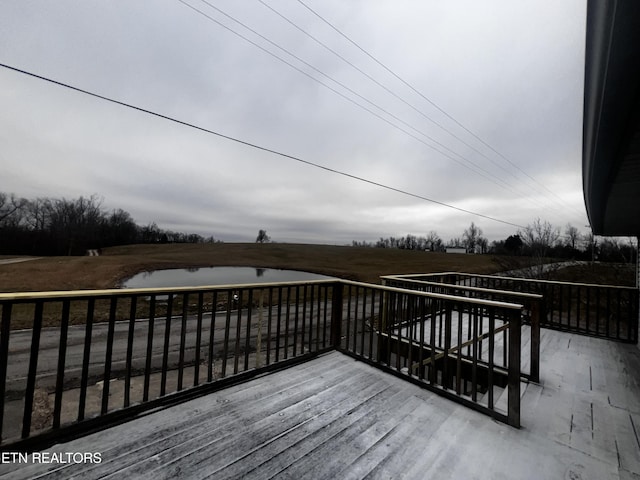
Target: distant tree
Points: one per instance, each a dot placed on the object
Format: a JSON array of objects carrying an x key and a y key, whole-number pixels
[
  {"x": 150, "y": 233},
  {"x": 471, "y": 237},
  {"x": 364, "y": 243},
  {"x": 483, "y": 243},
  {"x": 614, "y": 249},
  {"x": 119, "y": 229},
  {"x": 10, "y": 208},
  {"x": 538, "y": 239},
  {"x": 455, "y": 242},
  {"x": 262, "y": 237},
  {"x": 573, "y": 236},
  {"x": 513, "y": 244},
  {"x": 590, "y": 245},
  {"x": 59, "y": 226},
  {"x": 433, "y": 241},
  {"x": 195, "y": 238},
  {"x": 382, "y": 243},
  {"x": 75, "y": 225}
]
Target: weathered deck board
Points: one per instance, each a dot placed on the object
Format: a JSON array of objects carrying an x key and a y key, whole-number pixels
[{"x": 334, "y": 417}]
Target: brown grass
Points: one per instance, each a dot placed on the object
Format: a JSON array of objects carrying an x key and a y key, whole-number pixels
[
  {"x": 119, "y": 263},
  {"x": 600, "y": 273}
]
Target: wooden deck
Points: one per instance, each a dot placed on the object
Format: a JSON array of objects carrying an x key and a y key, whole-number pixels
[{"x": 335, "y": 417}]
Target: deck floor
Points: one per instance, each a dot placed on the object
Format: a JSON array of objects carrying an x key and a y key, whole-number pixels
[{"x": 335, "y": 417}]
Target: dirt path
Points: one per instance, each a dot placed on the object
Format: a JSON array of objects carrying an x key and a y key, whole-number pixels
[{"x": 6, "y": 261}]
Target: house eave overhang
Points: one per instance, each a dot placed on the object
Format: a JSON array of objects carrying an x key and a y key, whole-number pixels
[{"x": 611, "y": 135}]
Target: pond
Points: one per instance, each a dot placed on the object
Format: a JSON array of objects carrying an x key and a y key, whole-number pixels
[{"x": 193, "y": 277}]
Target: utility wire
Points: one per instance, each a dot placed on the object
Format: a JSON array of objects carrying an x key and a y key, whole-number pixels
[
  {"x": 487, "y": 175},
  {"x": 392, "y": 93},
  {"x": 477, "y": 169},
  {"x": 381, "y": 85},
  {"x": 255, "y": 146},
  {"x": 432, "y": 103}
]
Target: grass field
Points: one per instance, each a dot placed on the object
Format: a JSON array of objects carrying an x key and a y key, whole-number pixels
[{"x": 119, "y": 263}]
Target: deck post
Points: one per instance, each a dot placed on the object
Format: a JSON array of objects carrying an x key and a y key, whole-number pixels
[
  {"x": 336, "y": 315},
  {"x": 534, "y": 369},
  {"x": 637, "y": 294},
  {"x": 513, "y": 379}
]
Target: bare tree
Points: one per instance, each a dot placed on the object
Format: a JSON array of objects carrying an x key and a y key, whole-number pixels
[
  {"x": 573, "y": 235},
  {"x": 10, "y": 208},
  {"x": 433, "y": 241},
  {"x": 263, "y": 237},
  {"x": 483, "y": 243},
  {"x": 537, "y": 239},
  {"x": 471, "y": 237},
  {"x": 76, "y": 224}
]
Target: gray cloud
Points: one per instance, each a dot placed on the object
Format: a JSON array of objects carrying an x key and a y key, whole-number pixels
[{"x": 510, "y": 72}]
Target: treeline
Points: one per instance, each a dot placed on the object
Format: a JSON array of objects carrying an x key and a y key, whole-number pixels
[
  {"x": 47, "y": 226},
  {"x": 539, "y": 239},
  {"x": 471, "y": 240},
  {"x": 410, "y": 242}
]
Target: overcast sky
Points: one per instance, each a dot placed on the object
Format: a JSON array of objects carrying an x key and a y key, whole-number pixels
[{"x": 475, "y": 104}]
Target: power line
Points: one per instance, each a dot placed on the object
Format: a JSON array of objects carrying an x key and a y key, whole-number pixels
[
  {"x": 381, "y": 85},
  {"x": 255, "y": 146},
  {"x": 441, "y": 110},
  {"x": 475, "y": 168},
  {"x": 487, "y": 175}
]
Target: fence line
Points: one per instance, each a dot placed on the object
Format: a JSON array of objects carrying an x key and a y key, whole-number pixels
[
  {"x": 139, "y": 349},
  {"x": 605, "y": 311}
]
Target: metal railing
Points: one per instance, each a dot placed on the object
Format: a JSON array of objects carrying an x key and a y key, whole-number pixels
[
  {"x": 530, "y": 314},
  {"x": 82, "y": 360},
  {"x": 604, "y": 311},
  {"x": 466, "y": 349}
]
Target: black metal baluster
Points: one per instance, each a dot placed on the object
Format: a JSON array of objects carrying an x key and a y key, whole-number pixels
[
  {"x": 364, "y": 321},
  {"x": 33, "y": 368},
  {"x": 618, "y": 315},
  {"x": 212, "y": 333},
  {"x": 165, "y": 352},
  {"x": 183, "y": 339},
  {"x": 588, "y": 310},
  {"x": 311, "y": 302},
  {"x": 492, "y": 329},
  {"x": 324, "y": 326},
  {"x": 410, "y": 334},
  {"x": 62, "y": 353},
  {"x": 348, "y": 329},
  {"x": 459, "y": 353},
  {"x": 109, "y": 355},
  {"x": 269, "y": 325},
  {"x": 227, "y": 328},
  {"x": 355, "y": 319},
  {"x": 372, "y": 327},
  {"x": 148, "y": 364},
  {"x": 236, "y": 354},
  {"x": 433, "y": 373},
  {"x": 196, "y": 365},
  {"x": 247, "y": 345},
  {"x": 278, "y": 327},
  {"x": 579, "y": 299},
  {"x": 295, "y": 322},
  {"x": 608, "y": 316},
  {"x": 128, "y": 361},
  {"x": 477, "y": 311},
  {"x": 5, "y": 330}
]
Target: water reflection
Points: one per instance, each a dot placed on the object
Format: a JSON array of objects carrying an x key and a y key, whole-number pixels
[{"x": 193, "y": 277}]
